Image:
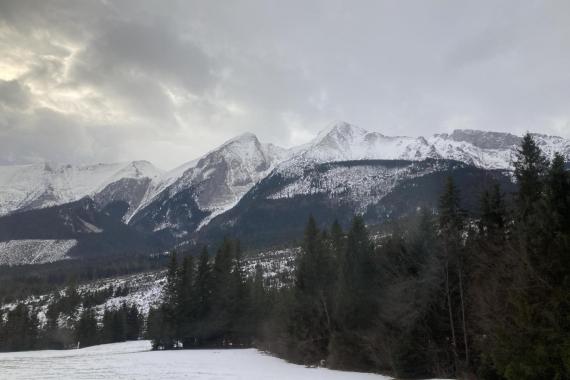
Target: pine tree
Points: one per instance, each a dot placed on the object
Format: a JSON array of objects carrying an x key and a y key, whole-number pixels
[
  {"x": 186, "y": 303},
  {"x": 243, "y": 328},
  {"x": 134, "y": 321},
  {"x": 20, "y": 329},
  {"x": 451, "y": 229},
  {"x": 259, "y": 298},
  {"x": 532, "y": 342},
  {"x": 107, "y": 328},
  {"x": 156, "y": 330},
  {"x": 170, "y": 306},
  {"x": 530, "y": 168},
  {"x": 118, "y": 322},
  {"x": 202, "y": 298},
  {"x": 86, "y": 332},
  {"x": 314, "y": 282},
  {"x": 356, "y": 307},
  {"x": 223, "y": 294},
  {"x": 492, "y": 222}
]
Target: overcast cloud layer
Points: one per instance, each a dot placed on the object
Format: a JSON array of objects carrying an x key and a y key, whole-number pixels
[{"x": 92, "y": 81}]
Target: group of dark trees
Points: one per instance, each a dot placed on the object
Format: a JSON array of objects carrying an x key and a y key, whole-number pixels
[
  {"x": 118, "y": 325},
  {"x": 443, "y": 294},
  {"x": 208, "y": 303},
  {"x": 65, "y": 326}
]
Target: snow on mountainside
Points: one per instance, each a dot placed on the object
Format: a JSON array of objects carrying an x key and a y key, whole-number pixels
[
  {"x": 344, "y": 142},
  {"x": 210, "y": 185},
  {"x": 488, "y": 150},
  {"x": 18, "y": 252},
  {"x": 32, "y": 186},
  {"x": 187, "y": 198},
  {"x": 363, "y": 184}
]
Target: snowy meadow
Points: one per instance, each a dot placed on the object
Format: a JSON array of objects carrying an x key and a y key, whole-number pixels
[{"x": 135, "y": 360}]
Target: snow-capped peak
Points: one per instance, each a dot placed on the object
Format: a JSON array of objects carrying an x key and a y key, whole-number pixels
[
  {"x": 48, "y": 184},
  {"x": 344, "y": 141},
  {"x": 340, "y": 129}
]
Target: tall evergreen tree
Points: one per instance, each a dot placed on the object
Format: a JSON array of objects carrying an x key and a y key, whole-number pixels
[
  {"x": 357, "y": 304},
  {"x": 530, "y": 168},
  {"x": 531, "y": 342},
  {"x": 171, "y": 307},
  {"x": 86, "y": 332},
  {"x": 134, "y": 323},
  {"x": 186, "y": 302},
  {"x": 314, "y": 282},
  {"x": 451, "y": 230},
  {"x": 202, "y": 297},
  {"x": 242, "y": 323}
]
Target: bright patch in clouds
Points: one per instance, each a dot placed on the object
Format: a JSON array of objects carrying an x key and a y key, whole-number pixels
[{"x": 138, "y": 79}]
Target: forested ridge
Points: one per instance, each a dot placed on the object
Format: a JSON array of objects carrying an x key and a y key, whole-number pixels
[
  {"x": 444, "y": 294},
  {"x": 71, "y": 321}
]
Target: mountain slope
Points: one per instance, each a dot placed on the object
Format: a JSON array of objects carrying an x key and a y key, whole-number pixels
[
  {"x": 214, "y": 184},
  {"x": 26, "y": 187},
  {"x": 95, "y": 231},
  {"x": 275, "y": 211}
]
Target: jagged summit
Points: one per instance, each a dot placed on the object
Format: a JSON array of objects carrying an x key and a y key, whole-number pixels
[
  {"x": 241, "y": 139},
  {"x": 338, "y": 129}
]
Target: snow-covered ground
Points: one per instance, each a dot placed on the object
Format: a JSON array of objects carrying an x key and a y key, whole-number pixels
[
  {"x": 134, "y": 360},
  {"x": 16, "y": 252}
]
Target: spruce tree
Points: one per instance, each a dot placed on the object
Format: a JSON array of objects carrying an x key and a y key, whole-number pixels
[
  {"x": 186, "y": 303},
  {"x": 223, "y": 294},
  {"x": 156, "y": 331},
  {"x": 356, "y": 302},
  {"x": 170, "y": 306},
  {"x": 530, "y": 168},
  {"x": 243, "y": 327},
  {"x": 107, "y": 329},
  {"x": 134, "y": 323},
  {"x": 86, "y": 332},
  {"x": 455, "y": 273},
  {"x": 202, "y": 298},
  {"x": 532, "y": 342},
  {"x": 259, "y": 298},
  {"x": 314, "y": 282}
]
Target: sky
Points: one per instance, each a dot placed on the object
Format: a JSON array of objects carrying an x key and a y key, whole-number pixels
[{"x": 166, "y": 81}]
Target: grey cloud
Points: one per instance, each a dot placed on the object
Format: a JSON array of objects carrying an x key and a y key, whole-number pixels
[
  {"x": 169, "y": 80},
  {"x": 14, "y": 95}
]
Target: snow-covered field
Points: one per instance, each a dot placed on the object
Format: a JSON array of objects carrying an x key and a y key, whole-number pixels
[{"x": 134, "y": 360}]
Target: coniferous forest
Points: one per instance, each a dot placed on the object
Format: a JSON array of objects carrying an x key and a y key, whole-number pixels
[
  {"x": 444, "y": 294},
  {"x": 71, "y": 321}
]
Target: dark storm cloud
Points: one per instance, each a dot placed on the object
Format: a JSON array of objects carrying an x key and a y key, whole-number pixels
[{"x": 103, "y": 80}]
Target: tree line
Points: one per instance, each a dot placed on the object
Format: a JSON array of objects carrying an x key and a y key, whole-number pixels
[
  {"x": 444, "y": 294},
  {"x": 71, "y": 321},
  {"x": 210, "y": 303}
]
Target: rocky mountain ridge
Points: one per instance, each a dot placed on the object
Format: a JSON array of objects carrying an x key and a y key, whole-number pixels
[{"x": 344, "y": 168}]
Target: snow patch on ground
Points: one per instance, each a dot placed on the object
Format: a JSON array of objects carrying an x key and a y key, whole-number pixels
[
  {"x": 17, "y": 252},
  {"x": 134, "y": 360}
]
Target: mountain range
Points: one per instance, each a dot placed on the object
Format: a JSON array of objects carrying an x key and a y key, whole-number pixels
[{"x": 260, "y": 192}]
